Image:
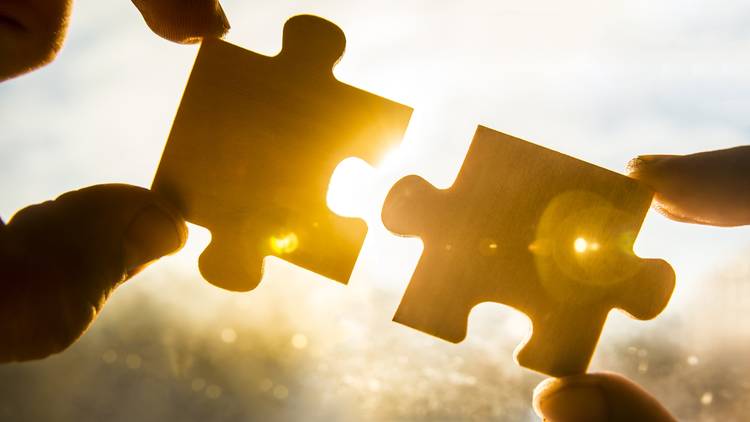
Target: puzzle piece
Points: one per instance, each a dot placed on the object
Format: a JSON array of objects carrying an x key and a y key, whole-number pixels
[
  {"x": 534, "y": 229},
  {"x": 253, "y": 147}
]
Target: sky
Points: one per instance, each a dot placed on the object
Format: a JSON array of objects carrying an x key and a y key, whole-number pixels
[{"x": 601, "y": 81}]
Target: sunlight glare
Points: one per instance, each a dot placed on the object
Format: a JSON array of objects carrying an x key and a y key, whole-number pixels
[
  {"x": 284, "y": 244},
  {"x": 350, "y": 185},
  {"x": 582, "y": 245},
  {"x": 391, "y": 159}
]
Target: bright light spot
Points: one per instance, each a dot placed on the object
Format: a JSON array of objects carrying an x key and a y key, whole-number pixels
[
  {"x": 213, "y": 391},
  {"x": 580, "y": 245},
  {"x": 198, "y": 384},
  {"x": 707, "y": 398},
  {"x": 350, "y": 189},
  {"x": 280, "y": 392},
  {"x": 487, "y": 246},
  {"x": 287, "y": 243},
  {"x": 692, "y": 360},
  {"x": 374, "y": 385},
  {"x": 517, "y": 325},
  {"x": 265, "y": 385},
  {"x": 110, "y": 356},
  {"x": 228, "y": 335},
  {"x": 391, "y": 159},
  {"x": 299, "y": 341},
  {"x": 643, "y": 367},
  {"x": 133, "y": 361}
]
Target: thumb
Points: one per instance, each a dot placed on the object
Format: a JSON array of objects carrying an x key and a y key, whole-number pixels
[
  {"x": 113, "y": 228},
  {"x": 60, "y": 260},
  {"x": 598, "y": 397},
  {"x": 704, "y": 188},
  {"x": 184, "y": 21}
]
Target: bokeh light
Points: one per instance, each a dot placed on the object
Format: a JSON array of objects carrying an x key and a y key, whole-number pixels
[{"x": 285, "y": 243}]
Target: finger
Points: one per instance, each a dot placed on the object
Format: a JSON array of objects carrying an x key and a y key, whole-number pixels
[
  {"x": 116, "y": 226},
  {"x": 670, "y": 214},
  {"x": 60, "y": 260},
  {"x": 706, "y": 188},
  {"x": 598, "y": 397},
  {"x": 184, "y": 21}
]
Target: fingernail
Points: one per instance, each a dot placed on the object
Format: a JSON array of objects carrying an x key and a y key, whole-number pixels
[
  {"x": 224, "y": 21},
  {"x": 644, "y": 163},
  {"x": 153, "y": 233},
  {"x": 578, "y": 403},
  {"x": 639, "y": 163},
  {"x": 652, "y": 158}
]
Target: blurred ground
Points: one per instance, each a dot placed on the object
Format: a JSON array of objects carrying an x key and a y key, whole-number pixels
[{"x": 328, "y": 353}]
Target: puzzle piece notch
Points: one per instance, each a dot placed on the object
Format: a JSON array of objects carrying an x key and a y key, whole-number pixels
[
  {"x": 254, "y": 144},
  {"x": 511, "y": 230}
]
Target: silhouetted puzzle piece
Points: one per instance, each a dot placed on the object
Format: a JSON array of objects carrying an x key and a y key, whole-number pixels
[
  {"x": 534, "y": 229},
  {"x": 254, "y": 144}
]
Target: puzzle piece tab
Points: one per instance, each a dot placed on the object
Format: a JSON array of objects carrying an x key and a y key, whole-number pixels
[
  {"x": 536, "y": 230},
  {"x": 254, "y": 144}
]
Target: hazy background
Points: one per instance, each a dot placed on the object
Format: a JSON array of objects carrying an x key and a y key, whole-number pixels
[{"x": 603, "y": 81}]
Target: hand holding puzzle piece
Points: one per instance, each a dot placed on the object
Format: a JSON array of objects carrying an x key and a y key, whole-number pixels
[
  {"x": 534, "y": 229},
  {"x": 253, "y": 147}
]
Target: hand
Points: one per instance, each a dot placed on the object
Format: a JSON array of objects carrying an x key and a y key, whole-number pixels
[
  {"x": 184, "y": 21},
  {"x": 60, "y": 260},
  {"x": 705, "y": 188},
  {"x": 32, "y": 31},
  {"x": 598, "y": 397}
]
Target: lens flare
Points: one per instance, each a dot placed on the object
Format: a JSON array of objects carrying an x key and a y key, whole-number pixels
[
  {"x": 581, "y": 245},
  {"x": 284, "y": 244}
]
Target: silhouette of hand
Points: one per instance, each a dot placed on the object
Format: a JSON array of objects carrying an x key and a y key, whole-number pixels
[
  {"x": 705, "y": 188},
  {"x": 597, "y": 397},
  {"x": 184, "y": 21},
  {"x": 60, "y": 260},
  {"x": 39, "y": 28}
]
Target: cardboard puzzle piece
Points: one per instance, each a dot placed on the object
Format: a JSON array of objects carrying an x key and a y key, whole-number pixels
[
  {"x": 254, "y": 144},
  {"x": 534, "y": 229}
]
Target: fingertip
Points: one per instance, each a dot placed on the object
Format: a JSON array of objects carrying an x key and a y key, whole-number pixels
[
  {"x": 594, "y": 397},
  {"x": 184, "y": 22},
  {"x": 176, "y": 218},
  {"x": 541, "y": 391},
  {"x": 574, "y": 398},
  {"x": 156, "y": 231},
  {"x": 118, "y": 227},
  {"x": 644, "y": 166},
  {"x": 223, "y": 20},
  {"x": 214, "y": 25},
  {"x": 570, "y": 400}
]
